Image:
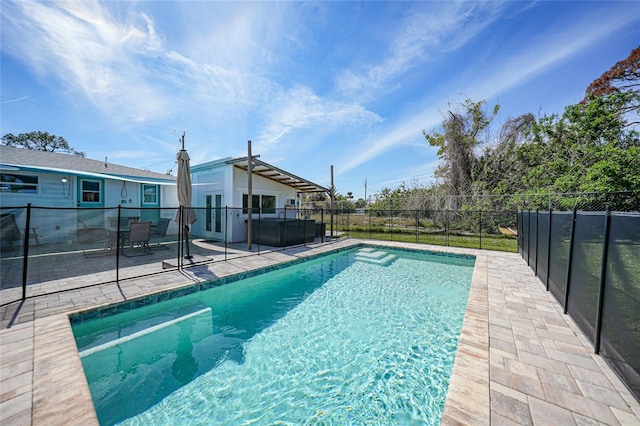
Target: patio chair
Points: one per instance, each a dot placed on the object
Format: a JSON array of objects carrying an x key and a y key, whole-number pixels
[
  {"x": 159, "y": 233},
  {"x": 9, "y": 229},
  {"x": 139, "y": 235},
  {"x": 11, "y": 234}
]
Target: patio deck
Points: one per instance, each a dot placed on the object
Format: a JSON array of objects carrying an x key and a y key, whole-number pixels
[{"x": 519, "y": 361}]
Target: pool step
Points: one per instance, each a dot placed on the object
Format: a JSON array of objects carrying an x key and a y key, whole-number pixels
[{"x": 377, "y": 257}]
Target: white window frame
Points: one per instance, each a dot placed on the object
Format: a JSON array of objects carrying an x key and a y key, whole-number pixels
[
  {"x": 157, "y": 194},
  {"x": 82, "y": 191},
  {"x": 4, "y": 184}
]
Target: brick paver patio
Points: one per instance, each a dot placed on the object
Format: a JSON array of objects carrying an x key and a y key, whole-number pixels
[{"x": 520, "y": 359}]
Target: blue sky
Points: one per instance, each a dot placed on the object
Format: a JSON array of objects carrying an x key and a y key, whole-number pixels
[{"x": 311, "y": 84}]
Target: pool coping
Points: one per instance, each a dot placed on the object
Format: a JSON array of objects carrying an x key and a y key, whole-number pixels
[{"x": 469, "y": 400}]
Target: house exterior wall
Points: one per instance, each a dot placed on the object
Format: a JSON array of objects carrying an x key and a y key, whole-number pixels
[
  {"x": 205, "y": 182},
  {"x": 232, "y": 182},
  {"x": 51, "y": 192},
  {"x": 63, "y": 224}
]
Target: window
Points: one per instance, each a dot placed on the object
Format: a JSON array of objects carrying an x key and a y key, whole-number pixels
[
  {"x": 255, "y": 203},
  {"x": 18, "y": 184},
  {"x": 265, "y": 204},
  {"x": 90, "y": 191},
  {"x": 268, "y": 204},
  {"x": 149, "y": 194}
]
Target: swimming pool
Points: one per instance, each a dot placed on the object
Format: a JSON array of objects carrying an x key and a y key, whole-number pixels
[{"x": 363, "y": 336}]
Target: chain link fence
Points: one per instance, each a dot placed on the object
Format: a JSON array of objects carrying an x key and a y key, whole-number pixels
[
  {"x": 566, "y": 201},
  {"x": 490, "y": 229}
]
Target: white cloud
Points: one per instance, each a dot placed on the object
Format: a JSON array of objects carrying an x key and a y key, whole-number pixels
[
  {"x": 300, "y": 108},
  {"x": 87, "y": 51},
  {"x": 406, "y": 132},
  {"x": 547, "y": 52},
  {"x": 513, "y": 71},
  {"x": 419, "y": 38}
]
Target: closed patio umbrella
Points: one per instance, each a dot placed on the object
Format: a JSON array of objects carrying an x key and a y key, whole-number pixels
[{"x": 185, "y": 215}]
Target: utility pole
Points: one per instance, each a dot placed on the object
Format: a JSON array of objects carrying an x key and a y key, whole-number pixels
[{"x": 365, "y": 193}]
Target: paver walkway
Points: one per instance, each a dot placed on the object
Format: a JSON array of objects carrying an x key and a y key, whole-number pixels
[{"x": 520, "y": 359}]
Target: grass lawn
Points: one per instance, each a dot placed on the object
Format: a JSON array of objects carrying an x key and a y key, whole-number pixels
[{"x": 467, "y": 241}]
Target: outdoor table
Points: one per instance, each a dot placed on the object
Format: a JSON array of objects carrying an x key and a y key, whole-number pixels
[{"x": 113, "y": 232}]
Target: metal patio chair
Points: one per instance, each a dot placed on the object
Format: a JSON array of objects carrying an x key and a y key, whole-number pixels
[
  {"x": 138, "y": 239},
  {"x": 159, "y": 233}
]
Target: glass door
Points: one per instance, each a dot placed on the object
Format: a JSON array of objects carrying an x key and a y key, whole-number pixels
[{"x": 214, "y": 216}]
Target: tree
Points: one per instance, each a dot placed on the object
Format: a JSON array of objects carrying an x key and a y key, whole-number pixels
[
  {"x": 624, "y": 76},
  {"x": 463, "y": 128},
  {"x": 40, "y": 141},
  {"x": 589, "y": 148},
  {"x": 497, "y": 170}
]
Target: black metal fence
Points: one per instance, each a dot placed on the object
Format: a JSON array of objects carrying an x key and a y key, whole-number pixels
[
  {"x": 482, "y": 229},
  {"x": 590, "y": 262},
  {"x": 46, "y": 250}
]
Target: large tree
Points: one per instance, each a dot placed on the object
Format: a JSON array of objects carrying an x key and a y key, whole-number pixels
[
  {"x": 590, "y": 147},
  {"x": 497, "y": 170},
  {"x": 623, "y": 77},
  {"x": 40, "y": 141},
  {"x": 463, "y": 131}
]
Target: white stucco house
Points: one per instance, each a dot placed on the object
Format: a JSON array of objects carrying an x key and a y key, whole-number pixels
[{"x": 224, "y": 183}]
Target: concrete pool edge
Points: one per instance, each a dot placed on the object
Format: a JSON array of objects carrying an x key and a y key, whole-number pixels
[{"x": 468, "y": 400}]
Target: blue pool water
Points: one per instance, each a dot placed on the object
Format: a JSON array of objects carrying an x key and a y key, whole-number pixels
[{"x": 359, "y": 337}]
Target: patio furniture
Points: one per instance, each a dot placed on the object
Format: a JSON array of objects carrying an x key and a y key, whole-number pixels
[
  {"x": 159, "y": 232},
  {"x": 139, "y": 235},
  {"x": 113, "y": 230},
  {"x": 508, "y": 231},
  {"x": 321, "y": 229},
  {"x": 280, "y": 232},
  {"x": 10, "y": 233},
  {"x": 125, "y": 221},
  {"x": 89, "y": 234}
]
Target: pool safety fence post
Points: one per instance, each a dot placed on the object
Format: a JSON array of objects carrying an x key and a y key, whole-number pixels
[
  {"x": 226, "y": 215},
  {"x": 304, "y": 230},
  {"x": 603, "y": 279},
  {"x": 480, "y": 223},
  {"x": 570, "y": 259},
  {"x": 417, "y": 222},
  {"x": 519, "y": 229},
  {"x": 322, "y": 226},
  {"x": 529, "y": 238},
  {"x": 537, "y": 232},
  {"x": 118, "y": 243},
  {"x": 348, "y": 223},
  {"x": 369, "y": 223},
  {"x": 390, "y": 230},
  {"x": 549, "y": 247},
  {"x": 446, "y": 228},
  {"x": 180, "y": 235},
  {"x": 284, "y": 226},
  {"x": 25, "y": 252},
  {"x": 260, "y": 226}
]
